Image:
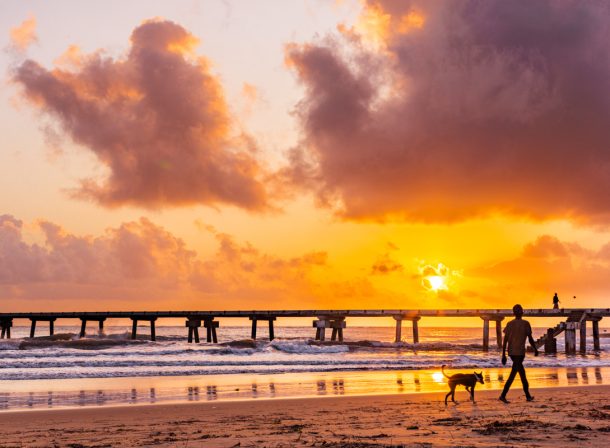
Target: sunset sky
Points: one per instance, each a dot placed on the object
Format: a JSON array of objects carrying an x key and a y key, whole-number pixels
[{"x": 304, "y": 154}]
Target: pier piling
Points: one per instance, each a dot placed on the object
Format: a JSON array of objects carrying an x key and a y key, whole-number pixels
[
  {"x": 595, "y": 325},
  {"x": 255, "y": 320},
  {"x": 50, "y": 320},
  {"x": 193, "y": 326},
  {"x": 570, "y": 337},
  {"x": 415, "y": 329},
  {"x": 485, "y": 333},
  {"x": 583, "y": 336},
  {"x": 6, "y": 325},
  {"x": 499, "y": 332},
  {"x": 211, "y": 325},
  {"x": 134, "y": 326},
  {"x": 398, "y": 320},
  {"x": 498, "y": 320},
  {"x": 550, "y": 343}
]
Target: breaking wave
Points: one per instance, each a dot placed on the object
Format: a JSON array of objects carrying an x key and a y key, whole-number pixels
[{"x": 65, "y": 355}]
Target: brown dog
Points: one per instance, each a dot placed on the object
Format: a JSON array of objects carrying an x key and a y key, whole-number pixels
[{"x": 468, "y": 380}]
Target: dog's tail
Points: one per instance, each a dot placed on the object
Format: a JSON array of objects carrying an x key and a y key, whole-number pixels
[{"x": 443, "y": 370}]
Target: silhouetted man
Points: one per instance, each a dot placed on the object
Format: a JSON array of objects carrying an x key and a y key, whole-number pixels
[
  {"x": 555, "y": 302},
  {"x": 517, "y": 331}
]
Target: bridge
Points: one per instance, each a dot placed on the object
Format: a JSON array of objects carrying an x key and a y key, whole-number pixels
[{"x": 576, "y": 319}]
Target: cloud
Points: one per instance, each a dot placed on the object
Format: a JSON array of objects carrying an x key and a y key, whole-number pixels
[
  {"x": 24, "y": 35},
  {"x": 546, "y": 265},
  {"x": 129, "y": 255},
  {"x": 156, "y": 119},
  {"x": 386, "y": 265},
  {"x": 446, "y": 111},
  {"x": 140, "y": 262}
]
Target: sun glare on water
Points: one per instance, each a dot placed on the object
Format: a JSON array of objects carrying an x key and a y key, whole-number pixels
[{"x": 437, "y": 377}]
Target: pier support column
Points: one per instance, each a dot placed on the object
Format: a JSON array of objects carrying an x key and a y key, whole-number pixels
[
  {"x": 51, "y": 327},
  {"x": 570, "y": 337},
  {"x": 211, "y": 325},
  {"x": 134, "y": 328},
  {"x": 6, "y": 325},
  {"x": 153, "y": 334},
  {"x": 83, "y": 327},
  {"x": 321, "y": 325},
  {"x": 398, "y": 320},
  {"x": 499, "y": 332},
  {"x": 595, "y": 325},
  {"x": 415, "y": 329},
  {"x": 255, "y": 320},
  {"x": 100, "y": 324},
  {"x": 583, "y": 336},
  {"x": 33, "y": 328},
  {"x": 253, "y": 333},
  {"x": 337, "y": 325},
  {"x": 550, "y": 343},
  {"x": 485, "y": 333},
  {"x": 193, "y": 326}
]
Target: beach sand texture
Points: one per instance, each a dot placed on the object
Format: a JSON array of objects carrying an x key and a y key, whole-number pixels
[{"x": 577, "y": 416}]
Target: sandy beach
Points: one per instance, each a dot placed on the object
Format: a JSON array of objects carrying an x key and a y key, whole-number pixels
[{"x": 575, "y": 416}]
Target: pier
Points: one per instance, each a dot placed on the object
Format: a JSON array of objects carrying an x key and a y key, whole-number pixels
[{"x": 335, "y": 320}]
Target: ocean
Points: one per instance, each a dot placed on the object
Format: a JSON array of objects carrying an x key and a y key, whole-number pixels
[{"x": 112, "y": 369}]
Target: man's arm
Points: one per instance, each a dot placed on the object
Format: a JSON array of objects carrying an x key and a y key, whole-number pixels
[
  {"x": 532, "y": 342},
  {"x": 504, "y": 344}
]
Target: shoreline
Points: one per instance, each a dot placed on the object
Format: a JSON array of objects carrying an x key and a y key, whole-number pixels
[{"x": 559, "y": 416}]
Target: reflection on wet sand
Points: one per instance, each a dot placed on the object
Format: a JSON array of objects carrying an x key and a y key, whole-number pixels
[{"x": 239, "y": 387}]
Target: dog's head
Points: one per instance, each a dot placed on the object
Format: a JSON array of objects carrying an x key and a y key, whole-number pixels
[{"x": 479, "y": 377}]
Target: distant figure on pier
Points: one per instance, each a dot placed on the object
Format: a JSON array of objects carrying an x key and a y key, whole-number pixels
[
  {"x": 517, "y": 331},
  {"x": 555, "y": 302}
]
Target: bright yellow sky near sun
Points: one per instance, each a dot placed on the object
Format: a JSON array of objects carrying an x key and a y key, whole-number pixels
[{"x": 477, "y": 263}]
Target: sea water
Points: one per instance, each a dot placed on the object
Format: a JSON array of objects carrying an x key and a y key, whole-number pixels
[{"x": 110, "y": 368}]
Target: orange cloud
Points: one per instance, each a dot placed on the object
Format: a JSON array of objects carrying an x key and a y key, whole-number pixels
[
  {"x": 472, "y": 114},
  {"x": 143, "y": 262},
  {"x": 157, "y": 120},
  {"x": 547, "y": 265},
  {"x": 24, "y": 35}
]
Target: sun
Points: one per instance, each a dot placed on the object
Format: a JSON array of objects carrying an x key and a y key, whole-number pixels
[
  {"x": 435, "y": 278},
  {"x": 435, "y": 283}
]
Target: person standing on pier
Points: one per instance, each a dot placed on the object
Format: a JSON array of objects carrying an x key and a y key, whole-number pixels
[
  {"x": 517, "y": 331},
  {"x": 555, "y": 302}
]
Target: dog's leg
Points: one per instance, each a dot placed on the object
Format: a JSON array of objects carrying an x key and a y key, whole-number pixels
[
  {"x": 472, "y": 393},
  {"x": 447, "y": 396}
]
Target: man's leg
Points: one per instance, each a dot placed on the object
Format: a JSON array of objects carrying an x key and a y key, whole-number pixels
[
  {"x": 509, "y": 381},
  {"x": 526, "y": 384}
]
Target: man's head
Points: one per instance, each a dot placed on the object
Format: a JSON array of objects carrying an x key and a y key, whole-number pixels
[{"x": 518, "y": 310}]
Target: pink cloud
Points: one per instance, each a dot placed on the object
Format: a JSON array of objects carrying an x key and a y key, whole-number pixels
[
  {"x": 24, "y": 35},
  {"x": 156, "y": 119},
  {"x": 546, "y": 265},
  {"x": 133, "y": 253},
  {"x": 142, "y": 263},
  {"x": 462, "y": 109}
]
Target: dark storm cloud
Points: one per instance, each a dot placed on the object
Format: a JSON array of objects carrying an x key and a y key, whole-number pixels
[{"x": 466, "y": 109}]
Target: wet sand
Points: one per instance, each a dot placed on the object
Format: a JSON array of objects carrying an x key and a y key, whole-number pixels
[
  {"x": 96, "y": 392},
  {"x": 562, "y": 416}
]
